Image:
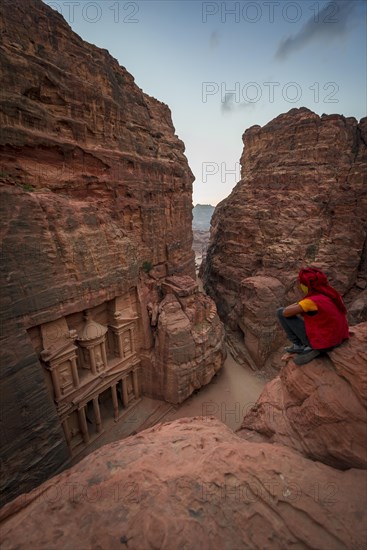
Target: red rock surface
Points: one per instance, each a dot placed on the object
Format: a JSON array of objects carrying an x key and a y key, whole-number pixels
[
  {"x": 191, "y": 483},
  {"x": 319, "y": 409},
  {"x": 302, "y": 199},
  {"x": 95, "y": 191},
  {"x": 78, "y": 130},
  {"x": 186, "y": 345},
  {"x": 200, "y": 246}
]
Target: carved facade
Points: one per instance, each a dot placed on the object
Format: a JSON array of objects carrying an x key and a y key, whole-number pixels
[{"x": 92, "y": 366}]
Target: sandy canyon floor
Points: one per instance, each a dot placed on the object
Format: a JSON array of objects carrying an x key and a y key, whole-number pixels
[{"x": 232, "y": 392}]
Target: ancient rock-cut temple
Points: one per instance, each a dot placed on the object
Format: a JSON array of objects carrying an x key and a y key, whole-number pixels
[
  {"x": 93, "y": 368},
  {"x": 98, "y": 302}
]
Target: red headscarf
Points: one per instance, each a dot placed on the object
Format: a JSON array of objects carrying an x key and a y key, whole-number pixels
[{"x": 317, "y": 283}]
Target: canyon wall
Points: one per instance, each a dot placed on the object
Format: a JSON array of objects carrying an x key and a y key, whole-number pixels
[
  {"x": 96, "y": 220},
  {"x": 301, "y": 200}
]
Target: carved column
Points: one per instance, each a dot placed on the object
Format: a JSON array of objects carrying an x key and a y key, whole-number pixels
[
  {"x": 83, "y": 424},
  {"x": 125, "y": 397},
  {"x": 119, "y": 343},
  {"x": 115, "y": 402},
  {"x": 104, "y": 354},
  {"x": 55, "y": 382},
  {"x": 135, "y": 383},
  {"x": 67, "y": 434},
  {"x": 92, "y": 360},
  {"x": 132, "y": 337},
  {"x": 97, "y": 414},
  {"x": 74, "y": 369}
]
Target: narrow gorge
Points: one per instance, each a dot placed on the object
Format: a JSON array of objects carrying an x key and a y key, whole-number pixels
[{"x": 101, "y": 308}]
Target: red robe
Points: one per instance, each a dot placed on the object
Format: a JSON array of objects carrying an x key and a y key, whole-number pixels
[{"x": 328, "y": 326}]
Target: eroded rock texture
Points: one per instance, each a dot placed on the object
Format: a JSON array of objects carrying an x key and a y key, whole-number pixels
[
  {"x": 301, "y": 200},
  {"x": 74, "y": 123},
  {"x": 191, "y": 483},
  {"x": 319, "y": 409},
  {"x": 186, "y": 339},
  {"x": 96, "y": 212}
]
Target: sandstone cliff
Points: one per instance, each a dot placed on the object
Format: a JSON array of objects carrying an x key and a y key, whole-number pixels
[
  {"x": 201, "y": 216},
  {"x": 302, "y": 199},
  {"x": 96, "y": 214}
]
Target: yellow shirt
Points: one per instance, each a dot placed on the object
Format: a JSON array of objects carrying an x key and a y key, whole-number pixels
[{"x": 307, "y": 305}]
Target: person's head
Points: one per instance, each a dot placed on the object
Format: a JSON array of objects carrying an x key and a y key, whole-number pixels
[
  {"x": 314, "y": 281},
  {"x": 311, "y": 278}
]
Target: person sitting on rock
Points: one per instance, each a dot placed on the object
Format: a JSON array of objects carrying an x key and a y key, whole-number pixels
[{"x": 318, "y": 322}]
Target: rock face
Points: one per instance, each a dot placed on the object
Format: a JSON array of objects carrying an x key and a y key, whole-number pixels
[
  {"x": 302, "y": 200},
  {"x": 200, "y": 246},
  {"x": 186, "y": 346},
  {"x": 201, "y": 216},
  {"x": 96, "y": 211},
  {"x": 79, "y": 131},
  {"x": 319, "y": 409},
  {"x": 191, "y": 483}
]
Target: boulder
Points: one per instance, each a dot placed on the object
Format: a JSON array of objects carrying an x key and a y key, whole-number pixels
[
  {"x": 191, "y": 483},
  {"x": 318, "y": 409}
]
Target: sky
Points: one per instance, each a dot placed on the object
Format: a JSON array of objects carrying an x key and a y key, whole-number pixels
[{"x": 223, "y": 67}]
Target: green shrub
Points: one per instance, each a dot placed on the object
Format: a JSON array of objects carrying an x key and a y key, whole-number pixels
[
  {"x": 40, "y": 49},
  {"x": 147, "y": 266},
  {"x": 120, "y": 79},
  {"x": 28, "y": 187},
  {"x": 311, "y": 251}
]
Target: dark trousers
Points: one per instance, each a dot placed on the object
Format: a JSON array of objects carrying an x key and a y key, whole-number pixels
[{"x": 294, "y": 328}]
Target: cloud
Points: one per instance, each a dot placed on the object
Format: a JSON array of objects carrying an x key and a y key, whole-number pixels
[
  {"x": 214, "y": 40},
  {"x": 337, "y": 18},
  {"x": 229, "y": 103}
]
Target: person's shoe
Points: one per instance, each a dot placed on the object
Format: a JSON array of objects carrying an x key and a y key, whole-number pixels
[
  {"x": 304, "y": 358},
  {"x": 306, "y": 349},
  {"x": 295, "y": 348}
]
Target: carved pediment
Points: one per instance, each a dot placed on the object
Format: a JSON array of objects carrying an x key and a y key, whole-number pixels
[
  {"x": 59, "y": 350},
  {"x": 92, "y": 332}
]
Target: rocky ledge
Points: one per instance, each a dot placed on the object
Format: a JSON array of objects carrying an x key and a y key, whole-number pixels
[
  {"x": 318, "y": 409},
  {"x": 193, "y": 483}
]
